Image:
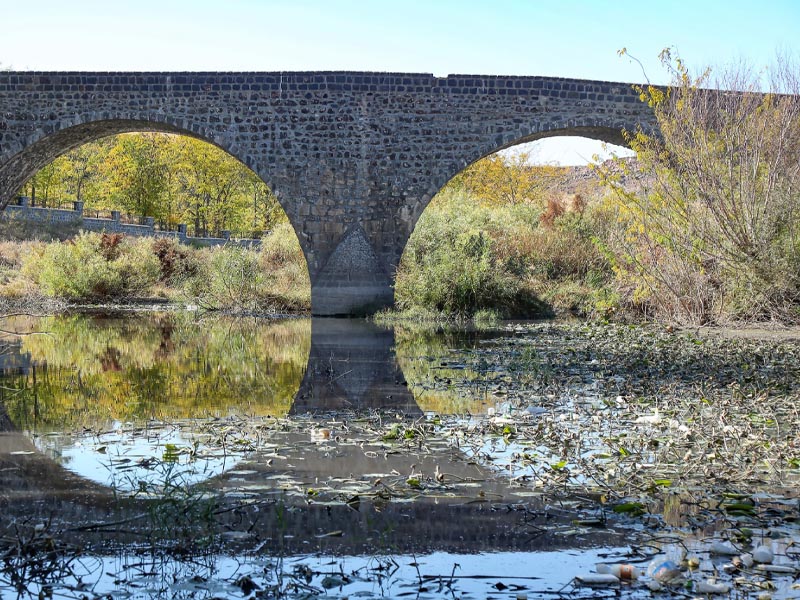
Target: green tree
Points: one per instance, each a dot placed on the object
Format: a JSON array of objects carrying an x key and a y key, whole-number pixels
[
  {"x": 138, "y": 173},
  {"x": 215, "y": 185},
  {"x": 46, "y": 187},
  {"x": 83, "y": 169}
]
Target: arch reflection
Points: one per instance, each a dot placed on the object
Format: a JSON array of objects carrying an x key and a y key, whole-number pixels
[
  {"x": 99, "y": 395},
  {"x": 109, "y": 397},
  {"x": 352, "y": 366}
]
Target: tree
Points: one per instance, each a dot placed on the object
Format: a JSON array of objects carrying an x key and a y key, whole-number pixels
[
  {"x": 219, "y": 192},
  {"x": 714, "y": 231},
  {"x": 45, "y": 187},
  {"x": 215, "y": 183},
  {"x": 83, "y": 168},
  {"x": 138, "y": 173},
  {"x": 499, "y": 180}
]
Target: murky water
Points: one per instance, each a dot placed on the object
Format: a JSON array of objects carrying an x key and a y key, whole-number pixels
[{"x": 169, "y": 455}]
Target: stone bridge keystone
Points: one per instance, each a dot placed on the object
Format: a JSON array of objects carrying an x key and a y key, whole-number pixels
[{"x": 354, "y": 158}]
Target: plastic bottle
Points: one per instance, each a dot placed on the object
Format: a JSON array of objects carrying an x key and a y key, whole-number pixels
[
  {"x": 666, "y": 567},
  {"x": 623, "y": 571},
  {"x": 663, "y": 570},
  {"x": 723, "y": 549},
  {"x": 598, "y": 579},
  {"x": 712, "y": 587}
]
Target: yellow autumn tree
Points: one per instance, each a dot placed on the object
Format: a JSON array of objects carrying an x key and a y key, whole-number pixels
[
  {"x": 501, "y": 180},
  {"x": 713, "y": 231}
]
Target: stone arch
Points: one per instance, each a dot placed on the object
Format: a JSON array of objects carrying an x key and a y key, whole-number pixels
[
  {"x": 589, "y": 128},
  {"x": 592, "y": 128},
  {"x": 21, "y": 162}
]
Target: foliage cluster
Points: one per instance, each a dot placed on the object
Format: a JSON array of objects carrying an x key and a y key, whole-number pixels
[
  {"x": 274, "y": 278},
  {"x": 499, "y": 180},
  {"x": 94, "y": 267},
  {"x": 159, "y": 364},
  {"x": 466, "y": 257},
  {"x": 175, "y": 179}
]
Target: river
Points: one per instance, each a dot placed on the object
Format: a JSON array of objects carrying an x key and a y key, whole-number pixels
[{"x": 177, "y": 454}]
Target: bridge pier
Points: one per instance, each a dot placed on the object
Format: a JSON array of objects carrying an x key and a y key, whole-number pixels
[
  {"x": 352, "y": 365},
  {"x": 353, "y": 280},
  {"x": 350, "y": 298}
]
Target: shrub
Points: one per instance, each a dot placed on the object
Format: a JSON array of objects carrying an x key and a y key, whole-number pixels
[
  {"x": 84, "y": 270},
  {"x": 110, "y": 245},
  {"x": 453, "y": 263},
  {"x": 706, "y": 233},
  {"x": 288, "y": 285},
  {"x": 273, "y": 278},
  {"x": 137, "y": 266},
  {"x": 176, "y": 262},
  {"x": 229, "y": 277},
  {"x": 464, "y": 257}
]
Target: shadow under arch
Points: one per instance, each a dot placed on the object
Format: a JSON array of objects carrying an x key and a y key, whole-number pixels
[
  {"x": 439, "y": 522},
  {"x": 128, "y": 383},
  {"x": 35, "y": 489},
  {"x": 25, "y": 470}
]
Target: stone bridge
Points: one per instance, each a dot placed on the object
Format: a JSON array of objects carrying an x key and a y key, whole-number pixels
[{"x": 354, "y": 158}]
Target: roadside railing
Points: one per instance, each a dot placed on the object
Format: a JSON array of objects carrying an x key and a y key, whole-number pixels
[{"x": 116, "y": 223}]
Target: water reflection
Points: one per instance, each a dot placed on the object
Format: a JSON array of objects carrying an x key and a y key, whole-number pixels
[
  {"x": 99, "y": 405},
  {"x": 107, "y": 397},
  {"x": 94, "y": 392},
  {"x": 440, "y": 382},
  {"x": 352, "y": 366},
  {"x": 92, "y": 372}
]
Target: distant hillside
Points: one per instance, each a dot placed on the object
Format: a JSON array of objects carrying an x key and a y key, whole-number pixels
[{"x": 584, "y": 180}]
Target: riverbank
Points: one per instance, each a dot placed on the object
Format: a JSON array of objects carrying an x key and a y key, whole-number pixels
[
  {"x": 465, "y": 261},
  {"x": 112, "y": 269}
]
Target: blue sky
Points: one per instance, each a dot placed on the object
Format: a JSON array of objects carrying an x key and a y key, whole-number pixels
[
  {"x": 514, "y": 37},
  {"x": 568, "y": 38}
]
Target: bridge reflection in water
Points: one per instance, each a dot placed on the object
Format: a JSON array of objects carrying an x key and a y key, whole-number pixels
[
  {"x": 352, "y": 366},
  {"x": 343, "y": 483}
]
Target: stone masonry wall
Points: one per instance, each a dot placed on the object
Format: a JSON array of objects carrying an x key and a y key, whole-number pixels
[{"x": 353, "y": 158}]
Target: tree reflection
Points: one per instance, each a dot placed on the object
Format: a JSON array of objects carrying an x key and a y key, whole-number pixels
[{"x": 91, "y": 371}]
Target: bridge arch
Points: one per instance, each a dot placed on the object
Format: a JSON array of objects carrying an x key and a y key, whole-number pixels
[
  {"x": 53, "y": 140},
  {"x": 21, "y": 161},
  {"x": 610, "y": 132},
  {"x": 546, "y": 191}
]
